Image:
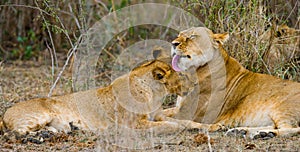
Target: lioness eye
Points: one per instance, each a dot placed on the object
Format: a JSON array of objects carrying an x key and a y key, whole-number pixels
[
  {"x": 278, "y": 34},
  {"x": 159, "y": 76},
  {"x": 193, "y": 36}
]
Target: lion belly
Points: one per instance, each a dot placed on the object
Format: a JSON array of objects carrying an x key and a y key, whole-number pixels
[
  {"x": 269, "y": 105},
  {"x": 246, "y": 116}
]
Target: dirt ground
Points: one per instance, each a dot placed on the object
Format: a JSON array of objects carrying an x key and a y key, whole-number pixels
[{"x": 26, "y": 80}]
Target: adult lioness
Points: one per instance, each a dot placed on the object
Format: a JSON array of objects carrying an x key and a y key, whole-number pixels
[
  {"x": 230, "y": 95},
  {"x": 127, "y": 101}
]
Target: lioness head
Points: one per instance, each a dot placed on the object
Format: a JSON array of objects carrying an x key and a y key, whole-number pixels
[
  {"x": 282, "y": 34},
  {"x": 195, "y": 47},
  {"x": 144, "y": 87},
  {"x": 159, "y": 73}
]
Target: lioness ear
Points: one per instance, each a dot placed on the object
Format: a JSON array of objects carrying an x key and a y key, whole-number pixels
[
  {"x": 159, "y": 52},
  {"x": 221, "y": 38},
  {"x": 158, "y": 74}
]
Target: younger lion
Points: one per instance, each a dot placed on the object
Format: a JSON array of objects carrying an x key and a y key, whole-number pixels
[
  {"x": 230, "y": 95},
  {"x": 127, "y": 101},
  {"x": 283, "y": 46}
]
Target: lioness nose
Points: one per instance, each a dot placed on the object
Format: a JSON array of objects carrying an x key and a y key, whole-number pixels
[{"x": 175, "y": 43}]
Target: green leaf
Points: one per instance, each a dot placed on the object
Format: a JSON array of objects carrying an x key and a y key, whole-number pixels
[{"x": 20, "y": 39}]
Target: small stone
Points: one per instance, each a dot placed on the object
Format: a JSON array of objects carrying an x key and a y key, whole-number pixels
[
  {"x": 243, "y": 132},
  {"x": 158, "y": 147},
  {"x": 232, "y": 132},
  {"x": 45, "y": 134},
  {"x": 257, "y": 136},
  {"x": 250, "y": 146},
  {"x": 24, "y": 141},
  {"x": 73, "y": 127},
  {"x": 33, "y": 140}
]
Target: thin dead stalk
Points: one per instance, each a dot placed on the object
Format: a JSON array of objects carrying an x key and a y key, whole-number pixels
[
  {"x": 50, "y": 35},
  {"x": 52, "y": 60},
  {"x": 72, "y": 52},
  {"x": 26, "y": 6},
  {"x": 208, "y": 142}
]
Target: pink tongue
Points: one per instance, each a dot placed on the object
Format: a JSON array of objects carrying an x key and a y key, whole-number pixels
[{"x": 175, "y": 63}]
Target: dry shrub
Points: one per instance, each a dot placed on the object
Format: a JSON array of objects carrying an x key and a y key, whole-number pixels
[{"x": 51, "y": 27}]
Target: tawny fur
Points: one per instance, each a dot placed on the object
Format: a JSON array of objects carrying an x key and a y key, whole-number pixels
[{"x": 242, "y": 98}]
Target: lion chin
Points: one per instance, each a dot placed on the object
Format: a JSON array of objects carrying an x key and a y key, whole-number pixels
[{"x": 230, "y": 95}]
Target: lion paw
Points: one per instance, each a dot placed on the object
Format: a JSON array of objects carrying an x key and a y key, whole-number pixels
[
  {"x": 253, "y": 134},
  {"x": 236, "y": 132},
  {"x": 264, "y": 135},
  {"x": 216, "y": 127}
]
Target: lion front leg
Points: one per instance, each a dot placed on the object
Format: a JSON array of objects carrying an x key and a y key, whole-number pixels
[
  {"x": 162, "y": 115},
  {"x": 171, "y": 126},
  {"x": 170, "y": 112}
]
